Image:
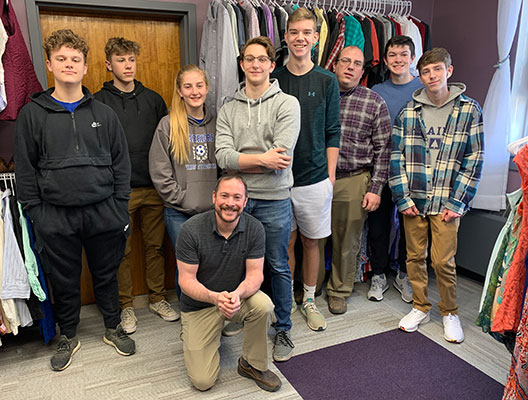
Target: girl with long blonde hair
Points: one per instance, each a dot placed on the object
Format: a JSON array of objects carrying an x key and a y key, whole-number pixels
[{"x": 181, "y": 160}]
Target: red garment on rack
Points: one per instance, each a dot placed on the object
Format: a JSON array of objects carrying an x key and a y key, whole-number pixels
[
  {"x": 19, "y": 75},
  {"x": 517, "y": 384},
  {"x": 509, "y": 311}
]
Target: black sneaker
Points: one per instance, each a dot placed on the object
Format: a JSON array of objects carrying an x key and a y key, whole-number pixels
[
  {"x": 119, "y": 339},
  {"x": 64, "y": 353}
]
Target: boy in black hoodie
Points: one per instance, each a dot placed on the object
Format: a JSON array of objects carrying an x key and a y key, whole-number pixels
[
  {"x": 73, "y": 179},
  {"x": 139, "y": 109}
]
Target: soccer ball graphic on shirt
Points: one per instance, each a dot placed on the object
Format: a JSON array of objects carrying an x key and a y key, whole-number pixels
[{"x": 200, "y": 152}]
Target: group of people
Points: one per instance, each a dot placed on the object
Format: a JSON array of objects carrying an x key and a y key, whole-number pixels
[{"x": 304, "y": 153}]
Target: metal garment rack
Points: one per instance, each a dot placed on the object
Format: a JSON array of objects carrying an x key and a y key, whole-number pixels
[
  {"x": 7, "y": 181},
  {"x": 384, "y": 7}
]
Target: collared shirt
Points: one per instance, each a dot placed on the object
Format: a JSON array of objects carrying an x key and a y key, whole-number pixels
[
  {"x": 221, "y": 262},
  {"x": 453, "y": 182},
  {"x": 365, "y": 135}
]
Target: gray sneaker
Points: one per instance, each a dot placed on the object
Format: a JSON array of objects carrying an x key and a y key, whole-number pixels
[
  {"x": 128, "y": 320},
  {"x": 164, "y": 310},
  {"x": 403, "y": 285},
  {"x": 283, "y": 349},
  {"x": 119, "y": 339},
  {"x": 378, "y": 286},
  {"x": 64, "y": 353}
]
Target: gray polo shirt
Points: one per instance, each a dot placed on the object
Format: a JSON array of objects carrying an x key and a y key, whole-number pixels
[{"x": 221, "y": 262}]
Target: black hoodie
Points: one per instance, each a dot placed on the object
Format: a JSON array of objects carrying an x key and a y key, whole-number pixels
[
  {"x": 69, "y": 158},
  {"x": 139, "y": 112}
]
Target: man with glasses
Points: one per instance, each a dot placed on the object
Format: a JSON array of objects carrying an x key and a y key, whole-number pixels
[
  {"x": 256, "y": 133},
  {"x": 361, "y": 174}
]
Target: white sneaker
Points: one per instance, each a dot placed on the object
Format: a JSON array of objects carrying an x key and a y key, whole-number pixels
[
  {"x": 164, "y": 310},
  {"x": 410, "y": 322},
  {"x": 453, "y": 329},
  {"x": 128, "y": 320},
  {"x": 378, "y": 286},
  {"x": 403, "y": 285}
]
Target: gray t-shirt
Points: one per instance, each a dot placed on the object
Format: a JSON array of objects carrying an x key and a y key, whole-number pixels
[{"x": 221, "y": 262}]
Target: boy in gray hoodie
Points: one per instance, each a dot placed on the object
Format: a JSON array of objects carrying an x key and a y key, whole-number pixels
[
  {"x": 256, "y": 133},
  {"x": 435, "y": 167}
]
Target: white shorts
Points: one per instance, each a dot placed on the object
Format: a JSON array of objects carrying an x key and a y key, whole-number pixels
[{"x": 312, "y": 209}]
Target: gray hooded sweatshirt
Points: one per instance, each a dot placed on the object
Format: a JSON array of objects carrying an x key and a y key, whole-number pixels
[
  {"x": 185, "y": 187},
  {"x": 251, "y": 126},
  {"x": 435, "y": 117}
]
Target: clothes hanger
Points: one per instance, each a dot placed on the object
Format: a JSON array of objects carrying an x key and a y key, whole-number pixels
[{"x": 515, "y": 146}]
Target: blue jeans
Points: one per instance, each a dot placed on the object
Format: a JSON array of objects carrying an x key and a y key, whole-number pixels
[
  {"x": 276, "y": 216},
  {"x": 173, "y": 221}
]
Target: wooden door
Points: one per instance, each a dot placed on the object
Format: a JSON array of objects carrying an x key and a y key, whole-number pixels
[{"x": 157, "y": 65}]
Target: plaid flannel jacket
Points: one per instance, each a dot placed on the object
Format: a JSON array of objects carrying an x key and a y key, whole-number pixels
[{"x": 453, "y": 182}]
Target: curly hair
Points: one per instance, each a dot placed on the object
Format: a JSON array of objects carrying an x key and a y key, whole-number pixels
[
  {"x": 120, "y": 46},
  {"x": 65, "y": 37}
]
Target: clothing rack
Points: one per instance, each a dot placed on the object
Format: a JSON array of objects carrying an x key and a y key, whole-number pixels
[
  {"x": 401, "y": 8},
  {"x": 7, "y": 181}
]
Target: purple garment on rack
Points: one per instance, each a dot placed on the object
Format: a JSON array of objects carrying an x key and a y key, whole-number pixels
[
  {"x": 269, "y": 21},
  {"x": 19, "y": 75}
]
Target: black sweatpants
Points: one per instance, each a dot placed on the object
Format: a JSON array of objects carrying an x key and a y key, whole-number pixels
[
  {"x": 61, "y": 233},
  {"x": 379, "y": 229}
]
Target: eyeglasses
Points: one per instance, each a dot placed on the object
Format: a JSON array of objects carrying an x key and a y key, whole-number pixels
[
  {"x": 345, "y": 62},
  {"x": 260, "y": 59}
]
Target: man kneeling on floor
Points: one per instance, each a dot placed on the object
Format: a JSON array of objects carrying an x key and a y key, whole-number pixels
[{"x": 220, "y": 257}]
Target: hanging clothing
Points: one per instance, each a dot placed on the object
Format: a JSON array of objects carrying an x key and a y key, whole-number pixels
[
  {"x": 353, "y": 33},
  {"x": 19, "y": 75},
  {"x": 509, "y": 311},
  {"x": 3, "y": 42},
  {"x": 340, "y": 43},
  {"x": 15, "y": 284},
  {"x": 218, "y": 56}
]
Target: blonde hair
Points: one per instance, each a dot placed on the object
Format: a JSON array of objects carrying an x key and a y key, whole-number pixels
[
  {"x": 179, "y": 143},
  {"x": 301, "y": 14}
]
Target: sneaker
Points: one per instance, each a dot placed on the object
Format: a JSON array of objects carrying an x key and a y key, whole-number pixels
[
  {"x": 164, "y": 310},
  {"x": 403, "y": 285},
  {"x": 64, "y": 353},
  {"x": 232, "y": 329},
  {"x": 266, "y": 380},
  {"x": 410, "y": 322},
  {"x": 283, "y": 349},
  {"x": 378, "y": 286},
  {"x": 315, "y": 320},
  {"x": 119, "y": 339},
  {"x": 128, "y": 320},
  {"x": 452, "y": 329},
  {"x": 337, "y": 305}
]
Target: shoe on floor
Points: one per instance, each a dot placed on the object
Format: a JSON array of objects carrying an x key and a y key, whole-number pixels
[
  {"x": 119, "y": 339},
  {"x": 403, "y": 285},
  {"x": 378, "y": 286},
  {"x": 410, "y": 322},
  {"x": 266, "y": 380},
  {"x": 315, "y": 320},
  {"x": 283, "y": 349},
  {"x": 337, "y": 305},
  {"x": 453, "y": 329},
  {"x": 232, "y": 329},
  {"x": 164, "y": 310},
  {"x": 64, "y": 353},
  {"x": 128, "y": 320}
]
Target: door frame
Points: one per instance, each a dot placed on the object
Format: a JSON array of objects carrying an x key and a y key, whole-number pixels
[{"x": 186, "y": 13}]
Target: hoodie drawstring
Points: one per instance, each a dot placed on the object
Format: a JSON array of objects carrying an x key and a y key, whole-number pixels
[{"x": 249, "y": 114}]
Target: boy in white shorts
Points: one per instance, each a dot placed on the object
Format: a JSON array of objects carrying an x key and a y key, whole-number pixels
[{"x": 315, "y": 155}]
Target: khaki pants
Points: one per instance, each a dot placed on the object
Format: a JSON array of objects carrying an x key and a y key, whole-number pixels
[
  {"x": 201, "y": 331},
  {"x": 348, "y": 218},
  {"x": 443, "y": 249},
  {"x": 148, "y": 204}
]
